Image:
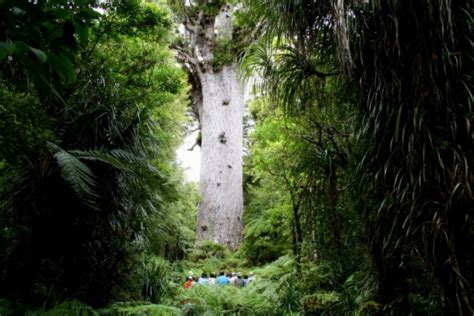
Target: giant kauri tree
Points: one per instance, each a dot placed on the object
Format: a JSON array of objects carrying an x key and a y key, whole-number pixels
[{"x": 207, "y": 50}]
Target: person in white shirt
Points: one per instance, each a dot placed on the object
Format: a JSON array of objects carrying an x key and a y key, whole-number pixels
[
  {"x": 233, "y": 278},
  {"x": 212, "y": 279}
]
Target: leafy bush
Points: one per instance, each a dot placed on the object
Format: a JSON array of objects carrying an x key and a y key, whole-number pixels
[
  {"x": 212, "y": 264},
  {"x": 71, "y": 308},
  {"x": 156, "y": 278},
  {"x": 76, "y": 214},
  {"x": 320, "y": 303},
  {"x": 208, "y": 249},
  {"x": 8, "y": 308},
  {"x": 138, "y": 309},
  {"x": 199, "y": 300}
]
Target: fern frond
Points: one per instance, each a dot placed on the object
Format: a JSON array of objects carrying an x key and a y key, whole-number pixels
[
  {"x": 71, "y": 308},
  {"x": 139, "y": 308},
  {"x": 77, "y": 174},
  {"x": 119, "y": 159}
]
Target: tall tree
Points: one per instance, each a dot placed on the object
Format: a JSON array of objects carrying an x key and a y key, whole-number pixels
[{"x": 208, "y": 52}]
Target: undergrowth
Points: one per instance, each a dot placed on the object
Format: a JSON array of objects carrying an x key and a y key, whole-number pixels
[{"x": 283, "y": 287}]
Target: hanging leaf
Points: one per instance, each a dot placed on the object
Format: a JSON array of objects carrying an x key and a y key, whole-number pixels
[
  {"x": 6, "y": 49},
  {"x": 77, "y": 174},
  {"x": 42, "y": 58},
  {"x": 17, "y": 11},
  {"x": 63, "y": 66},
  {"x": 82, "y": 32}
]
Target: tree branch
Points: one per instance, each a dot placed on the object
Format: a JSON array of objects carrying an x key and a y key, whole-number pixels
[{"x": 184, "y": 56}]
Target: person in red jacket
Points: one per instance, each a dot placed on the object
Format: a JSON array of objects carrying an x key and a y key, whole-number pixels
[{"x": 189, "y": 282}]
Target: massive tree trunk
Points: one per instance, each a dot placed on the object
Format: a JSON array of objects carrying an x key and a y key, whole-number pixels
[
  {"x": 221, "y": 208},
  {"x": 218, "y": 97}
]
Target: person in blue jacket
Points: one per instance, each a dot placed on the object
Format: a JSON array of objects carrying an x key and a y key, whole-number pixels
[{"x": 222, "y": 279}]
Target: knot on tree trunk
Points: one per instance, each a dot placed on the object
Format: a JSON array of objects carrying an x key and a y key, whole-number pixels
[{"x": 222, "y": 138}]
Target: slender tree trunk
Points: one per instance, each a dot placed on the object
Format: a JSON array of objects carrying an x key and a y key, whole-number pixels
[
  {"x": 312, "y": 218},
  {"x": 295, "y": 205},
  {"x": 297, "y": 235},
  {"x": 332, "y": 203}
]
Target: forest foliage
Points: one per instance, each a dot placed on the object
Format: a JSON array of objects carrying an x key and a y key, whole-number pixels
[
  {"x": 400, "y": 165},
  {"x": 92, "y": 109}
]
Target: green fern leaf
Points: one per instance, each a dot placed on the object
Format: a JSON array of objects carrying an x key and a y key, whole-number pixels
[{"x": 77, "y": 174}]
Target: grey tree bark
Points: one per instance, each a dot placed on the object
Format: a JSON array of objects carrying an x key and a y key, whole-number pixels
[{"x": 218, "y": 97}]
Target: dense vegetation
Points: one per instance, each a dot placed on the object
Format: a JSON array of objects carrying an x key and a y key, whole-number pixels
[
  {"x": 92, "y": 107},
  {"x": 357, "y": 171}
]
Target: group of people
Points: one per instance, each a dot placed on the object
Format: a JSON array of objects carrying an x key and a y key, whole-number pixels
[{"x": 235, "y": 278}]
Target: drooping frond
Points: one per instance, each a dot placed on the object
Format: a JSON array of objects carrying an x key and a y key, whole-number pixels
[
  {"x": 77, "y": 174},
  {"x": 297, "y": 54},
  {"x": 119, "y": 159},
  {"x": 414, "y": 63}
]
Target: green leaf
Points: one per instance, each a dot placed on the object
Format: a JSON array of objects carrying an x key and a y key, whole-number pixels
[
  {"x": 6, "y": 49},
  {"x": 82, "y": 32},
  {"x": 42, "y": 58},
  {"x": 63, "y": 66},
  {"x": 77, "y": 174},
  {"x": 19, "y": 47},
  {"x": 18, "y": 11},
  {"x": 52, "y": 29},
  {"x": 89, "y": 13},
  {"x": 119, "y": 159}
]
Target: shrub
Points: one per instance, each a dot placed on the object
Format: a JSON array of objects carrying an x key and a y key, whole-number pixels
[
  {"x": 71, "y": 308},
  {"x": 208, "y": 249},
  {"x": 8, "y": 308},
  {"x": 199, "y": 300},
  {"x": 138, "y": 309},
  {"x": 157, "y": 276}
]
